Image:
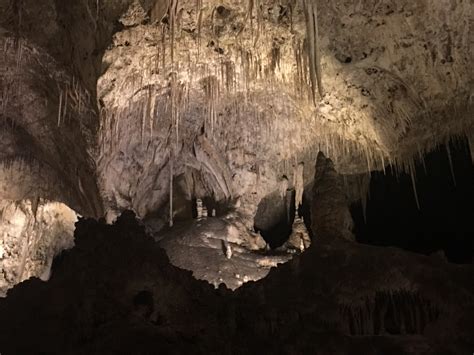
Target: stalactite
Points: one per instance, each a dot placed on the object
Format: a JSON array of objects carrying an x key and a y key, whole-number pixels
[
  {"x": 383, "y": 162},
  {"x": 19, "y": 54},
  {"x": 421, "y": 157},
  {"x": 412, "y": 175},
  {"x": 259, "y": 22},
  {"x": 65, "y": 104},
  {"x": 369, "y": 169},
  {"x": 144, "y": 117},
  {"x": 299, "y": 185},
  {"x": 248, "y": 16},
  {"x": 451, "y": 167},
  {"x": 116, "y": 128},
  {"x": 97, "y": 4},
  {"x": 470, "y": 145},
  {"x": 172, "y": 16},
  {"x": 199, "y": 11},
  {"x": 176, "y": 124},
  {"x": 171, "y": 191},
  {"x": 152, "y": 111},
  {"x": 60, "y": 107},
  {"x": 163, "y": 50},
  {"x": 311, "y": 15}
]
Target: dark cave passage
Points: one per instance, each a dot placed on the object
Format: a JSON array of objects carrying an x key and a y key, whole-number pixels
[
  {"x": 274, "y": 218},
  {"x": 444, "y": 221}
]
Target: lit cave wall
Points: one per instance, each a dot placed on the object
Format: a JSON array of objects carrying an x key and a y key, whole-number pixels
[{"x": 179, "y": 174}]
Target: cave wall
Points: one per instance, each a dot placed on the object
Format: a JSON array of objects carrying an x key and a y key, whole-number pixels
[
  {"x": 106, "y": 105},
  {"x": 241, "y": 75},
  {"x": 116, "y": 292},
  {"x": 32, "y": 233},
  {"x": 393, "y": 80}
]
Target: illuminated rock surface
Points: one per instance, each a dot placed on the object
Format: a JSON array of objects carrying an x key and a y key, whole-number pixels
[
  {"x": 117, "y": 292},
  {"x": 150, "y": 106}
]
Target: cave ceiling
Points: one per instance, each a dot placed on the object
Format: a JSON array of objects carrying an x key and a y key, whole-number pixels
[{"x": 104, "y": 103}]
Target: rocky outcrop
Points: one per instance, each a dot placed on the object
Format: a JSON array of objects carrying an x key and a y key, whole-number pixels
[
  {"x": 220, "y": 251},
  {"x": 32, "y": 233},
  {"x": 113, "y": 105},
  {"x": 330, "y": 214},
  {"x": 117, "y": 292}
]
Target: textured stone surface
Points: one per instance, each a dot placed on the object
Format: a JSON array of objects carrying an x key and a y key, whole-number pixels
[
  {"x": 395, "y": 80},
  {"x": 116, "y": 292},
  {"x": 243, "y": 77},
  {"x": 47, "y": 130},
  {"x": 111, "y": 105},
  {"x": 330, "y": 213},
  {"x": 201, "y": 246},
  {"x": 31, "y": 235}
]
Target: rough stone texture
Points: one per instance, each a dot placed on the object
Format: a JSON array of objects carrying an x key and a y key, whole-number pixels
[
  {"x": 242, "y": 76},
  {"x": 116, "y": 292},
  {"x": 200, "y": 246},
  {"x": 31, "y": 235},
  {"x": 395, "y": 79},
  {"x": 46, "y": 130},
  {"x": 299, "y": 239},
  {"x": 330, "y": 213},
  {"x": 215, "y": 100}
]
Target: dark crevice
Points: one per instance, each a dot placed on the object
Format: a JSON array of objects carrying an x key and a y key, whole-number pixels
[{"x": 274, "y": 218}]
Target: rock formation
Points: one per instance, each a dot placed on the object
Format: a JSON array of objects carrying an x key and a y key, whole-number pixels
[
  {"x": 117, "y": 292},
  {"x": 152, "y": 106}
]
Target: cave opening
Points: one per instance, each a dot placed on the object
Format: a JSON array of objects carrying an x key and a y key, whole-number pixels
[
  {"x": 275, "y": 216},
  {"x": 442, "y": 224}
]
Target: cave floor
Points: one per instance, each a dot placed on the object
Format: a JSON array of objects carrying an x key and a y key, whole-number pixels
[{"x": 199, "y": 246}]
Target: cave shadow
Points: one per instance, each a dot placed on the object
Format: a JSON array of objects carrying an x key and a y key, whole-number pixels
[
  {"x": 445, "y": 194},
  {"x": 275, "y": 216}
]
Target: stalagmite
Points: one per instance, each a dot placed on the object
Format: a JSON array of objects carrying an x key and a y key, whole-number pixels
[
  {"x": 227, "y": 248},
  {"x": 199, "y": 209}
]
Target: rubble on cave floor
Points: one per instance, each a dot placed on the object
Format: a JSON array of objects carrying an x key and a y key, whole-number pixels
[{"x": 220, "y": 250}]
